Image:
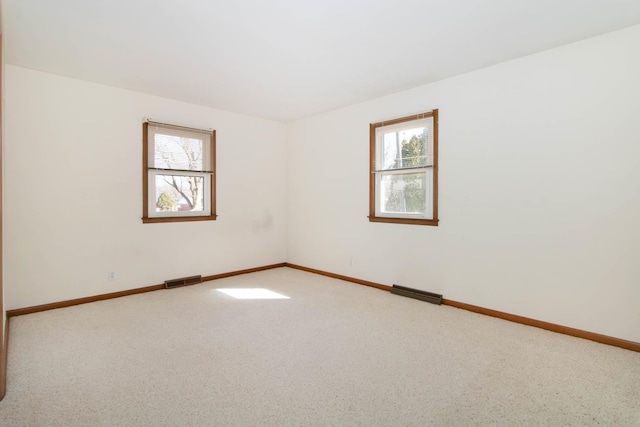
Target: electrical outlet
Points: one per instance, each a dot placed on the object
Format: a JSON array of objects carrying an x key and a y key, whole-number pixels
[{"x": 111, "y": 276}]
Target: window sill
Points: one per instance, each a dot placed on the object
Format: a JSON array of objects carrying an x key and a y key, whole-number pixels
[
  {"x": 147, "y": 220},
  {"x": 432, "y": 222}
]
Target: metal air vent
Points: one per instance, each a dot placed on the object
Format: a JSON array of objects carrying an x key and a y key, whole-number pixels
[
  {"x": 174, "y": 283},
  {"x": 417, "y": 294}
]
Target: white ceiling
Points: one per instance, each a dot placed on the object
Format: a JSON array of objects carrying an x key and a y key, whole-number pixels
[{"x": 287, "y": 59}]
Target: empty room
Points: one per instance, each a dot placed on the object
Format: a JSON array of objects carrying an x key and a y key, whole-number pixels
[{"x": 294, "y": 213}]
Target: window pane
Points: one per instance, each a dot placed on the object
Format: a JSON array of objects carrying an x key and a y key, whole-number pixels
[
  {"x": 404, "y": 149},
  {"x": 175, "y": 152},
  {"x": 403, "y": 193},
  {"x": 178, "y": 193}
]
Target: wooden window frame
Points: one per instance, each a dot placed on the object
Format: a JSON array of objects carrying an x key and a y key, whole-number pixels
[
  {"x": 372, "y": 171},
  {"x": 146, "y": 219}
]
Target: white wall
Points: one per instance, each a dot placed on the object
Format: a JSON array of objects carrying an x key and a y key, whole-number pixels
[
  {"x": 73, "y": 192},
  {"x": 539, "y": 189}
]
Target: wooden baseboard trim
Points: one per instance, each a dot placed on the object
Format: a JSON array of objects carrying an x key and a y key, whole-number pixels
[
  {"x": 4, "y": 360},
  {"x": 78, "y": 301},
  {"x": 341, "y": 277},
  {"x": 592, "y": 336},
  {"x": 85, "y": 300},
  {"x": 579, "y": 333}
]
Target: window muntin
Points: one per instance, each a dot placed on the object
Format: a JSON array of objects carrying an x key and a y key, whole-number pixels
[
  {"x": 403, "y": 182},
  {"x": 179, "y": 180}
]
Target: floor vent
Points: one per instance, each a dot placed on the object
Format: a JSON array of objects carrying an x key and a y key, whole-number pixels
[
  {"x": 417, "y": 294},
  {"x": 174, "y": 283}
]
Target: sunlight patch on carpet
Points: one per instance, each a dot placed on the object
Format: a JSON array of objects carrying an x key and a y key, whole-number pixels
[{"x": 252, "y": 293}]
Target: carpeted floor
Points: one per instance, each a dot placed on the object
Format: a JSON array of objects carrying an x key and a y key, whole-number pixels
[{"x": 333, "y": 354}]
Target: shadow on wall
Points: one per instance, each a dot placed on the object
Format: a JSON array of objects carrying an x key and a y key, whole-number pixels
[{"x": 263, "y": 224}]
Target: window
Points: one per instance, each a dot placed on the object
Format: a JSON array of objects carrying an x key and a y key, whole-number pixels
[
  {"x": 178, "y": 173},
  {"x": 403, "y": 181}
]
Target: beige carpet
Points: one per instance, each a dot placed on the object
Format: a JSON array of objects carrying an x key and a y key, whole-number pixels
[{"x": 334, "y": 354}]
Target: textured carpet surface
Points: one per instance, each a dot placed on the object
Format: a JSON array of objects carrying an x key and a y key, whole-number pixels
[{"x": 334, "y": 354}]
